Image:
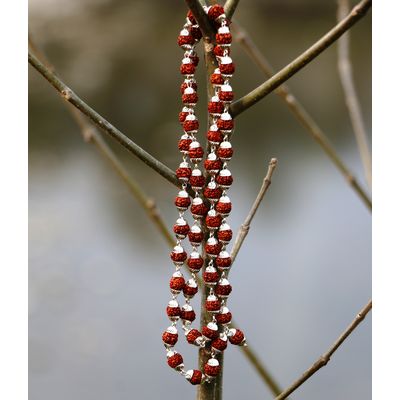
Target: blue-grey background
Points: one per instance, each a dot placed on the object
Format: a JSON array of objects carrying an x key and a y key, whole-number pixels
[{"x": 99, "y": 269}]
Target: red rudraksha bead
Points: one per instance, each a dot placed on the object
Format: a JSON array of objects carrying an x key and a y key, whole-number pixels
[
  {"x": 220, "y": 51},
  {"x": 187, "y": 313},
  {"x": 197, "y": 180},
  {"x": 170, "y": 336},
  {"x": 185, "y": 39},
  {"x": 224, "y": 317},
  {"x": 215, "y": 107},
  {"x": 177, "y": 282},
  {"x": 226, "y": 66},
  {"x": 174, "y": 359},
  {"x": 224, "y": 233},
  {"x": 195, "y": 377},
  {"x": 220, "y": 343},
  {"x": 191, "y": 123},
  {"x": 223, "y": 288},
  {"x": 224, "y": 178},
  {"x": 183, "y": 114},
  {"x": 189, "y": 97},
  {"x": 195, "y": 235},
  {"x": 213, "y": 220},
  {"x": 226, "y": 93},
  {"x": 213, "y": 247},
  {"x": 224, "y": 206},
  {"x": 225, "y": 151},
  {"x": 195, "y": 151},
  {"x": 173, "y": 310},
  {"x": 212, "y": 192},
  {"x": 212, "y": 367},
  {"x": 223, "y": 261},
  {"x": 216, "y": 78},
  {"x": 178, "y": 255},
  {"x": 193, "y": 335},
  {"x": 210, "y": 275},
  {"x": 215, "y": 11},
  {"x": 210, "y": 331},
  {"x": 184, "y": 172},
  {"x": 213, "y": 305},
  {"x": 187, "y": 67},
  {"x": 184, "y": 143},
  {"x": 190, "y": 288},
  {"x": 198, "y": 208},
  {"x": 236, "y": 336},
  {"x": 182, "y": 201},
  {"x": 214, "y": 136},
  {"x": 225, "y": 123},
  {"x": 181, "y": 228},
  {"x": 188, "y": 83},
  {"x": 195, "y": 261},
  {"x": 223, "y": 37},
  {"x": 195, "y": 31},
  {"x": 213, "y": 164}
]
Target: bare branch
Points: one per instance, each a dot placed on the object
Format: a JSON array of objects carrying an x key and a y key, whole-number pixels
[
  {"x": 202, "y": 19},
  {"x": 300, "y": 62},
  {"x": 299, "y": 112},
  {"x": 324, "y": 359},
  {"x": 245, "y": 227},
  {"x": 101, "y": 122},
  {"x": 230, "y": 7},
  {"x": 350, "y": 93}
]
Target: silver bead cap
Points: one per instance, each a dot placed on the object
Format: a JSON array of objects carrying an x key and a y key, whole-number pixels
[
  {"x": 212, "y": 325},
  {"x": 225, "y": 172},
  {"x": 223, "y": 30},
  {"x": 223, "y": 254},
  {"x": 226, "y": 145},
  {"x": 196, "y": 171},
  {"x": 172, "y": 329}
]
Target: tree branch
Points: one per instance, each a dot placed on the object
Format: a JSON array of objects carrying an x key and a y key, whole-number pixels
[
  {"x": 300, "y": 62},
  {"x": 350, "y": 93},
  {"x": 202, "y": 19},
  {"x": 299, "y": 112},
  {"x": 230, "y": 7},
  {"x": 101, "y": 122},
  {"x": 245, "y": 227},
  {"x": 324, "y": 359}
]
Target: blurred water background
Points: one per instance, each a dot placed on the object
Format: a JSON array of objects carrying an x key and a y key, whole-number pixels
[{"x": 99, "y": 269}]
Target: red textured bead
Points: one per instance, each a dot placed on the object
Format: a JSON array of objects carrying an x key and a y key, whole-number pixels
[
  {"x": 190, "y": 125},
  {"x": 225, "y": 151},
  {"x": 195, "y": 235},
  {"x": 187, "y": 313},
  {"x": 177, "y": 283},
  {"x": 213, "y": 220},
  {"x": 182, "y": 201},
  {"x": 223, "y": 38},
  {"x": 196, "y": 378},
  {"x": 197, "y": 180},
  {"x": 223, "y": 208},
  {"x": 215, "y": 11},
  {"x": 224, "y": 317},
  {"x": 212, "y": 191},
  {"x": 182, "y": 116},
  {"x": 214, "y": 136},
  {"x": 188, "y": 69},
  {"x": 195, "y": 151},
  {"x": 213, "y": 304},
  {"x": 212, "y": 164},
  {"x": 185, "y": 39},
  {"x": 213, "y": 247},
  {"x": 195, "y": 31},
  {"x": 226, "y": 66},
  {"x": 185, "y": 85},
  {"x": 192, "y": 335},
  {"x": 190, "y": 288},
  {"x": 220, "y": 51},
  {"x": 223, "y": 288},
  {"x": 223, "y": 261},
  {"x": 191, "y": 98},
  {"x": 178, "y": 255},
  {"x": 236, "y": 336},
  {"x": 170, "y": 336},
  {"x": 212, "y": 370},
  {"x": 173, "y": 310},
  {"x": 225, "y": 233},
  {"x": 215, "y": 106},
  {"x": 184, "y": 143},
  {"x": 226, "y": 94},
  {"x": 198, "y": 208},
  {"x": 181, "y": 230},
  {"x": 183, "y": 173},
  {"x": 224, "y": 179},
  {"x": 175, "y": 360},
  {"x": 225, "y": 125},
  {"x": 210, "y": 276},
  {"x": 210, "y": 331},
  {"x": 216, "y": 78},
  {"x": 220, "y": 344},
  {"x": 195, "y": 262}
]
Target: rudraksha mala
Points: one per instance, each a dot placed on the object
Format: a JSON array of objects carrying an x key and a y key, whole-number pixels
[{"x": 210, "y": 206}]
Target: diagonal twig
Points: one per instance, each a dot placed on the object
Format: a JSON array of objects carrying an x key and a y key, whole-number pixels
[
  {"x": 230, "y": 7},
  {"x": 300, "y": 62},
  {"x": 299, "y": 112},
  {"x": 324, "y": 359},
  {"x": 350, "y": 93},
  {"x": 245, "y": 227},
  {"x": 101, "y": 122}
]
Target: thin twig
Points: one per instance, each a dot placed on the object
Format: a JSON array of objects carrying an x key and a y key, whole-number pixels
[
  {"x": 299, "y": 112},
  {"x": 300, "y": 62},
  {"x": 324, "y": 359},
  {"x": 245, "y": 227},
  {"x": 202, "y": 19},
  {"x": 101, "y": 122},
  {"x": 350, "y": 93},
  {"x": 230, "y": 8}
]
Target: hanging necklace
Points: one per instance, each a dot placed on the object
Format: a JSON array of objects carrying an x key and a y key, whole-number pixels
[{"x": 210, "y": 206}]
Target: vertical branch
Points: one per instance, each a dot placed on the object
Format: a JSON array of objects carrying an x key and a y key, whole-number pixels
[
  {"x": 351, "y": 98},
  {"x": 230, "y": 7}
]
